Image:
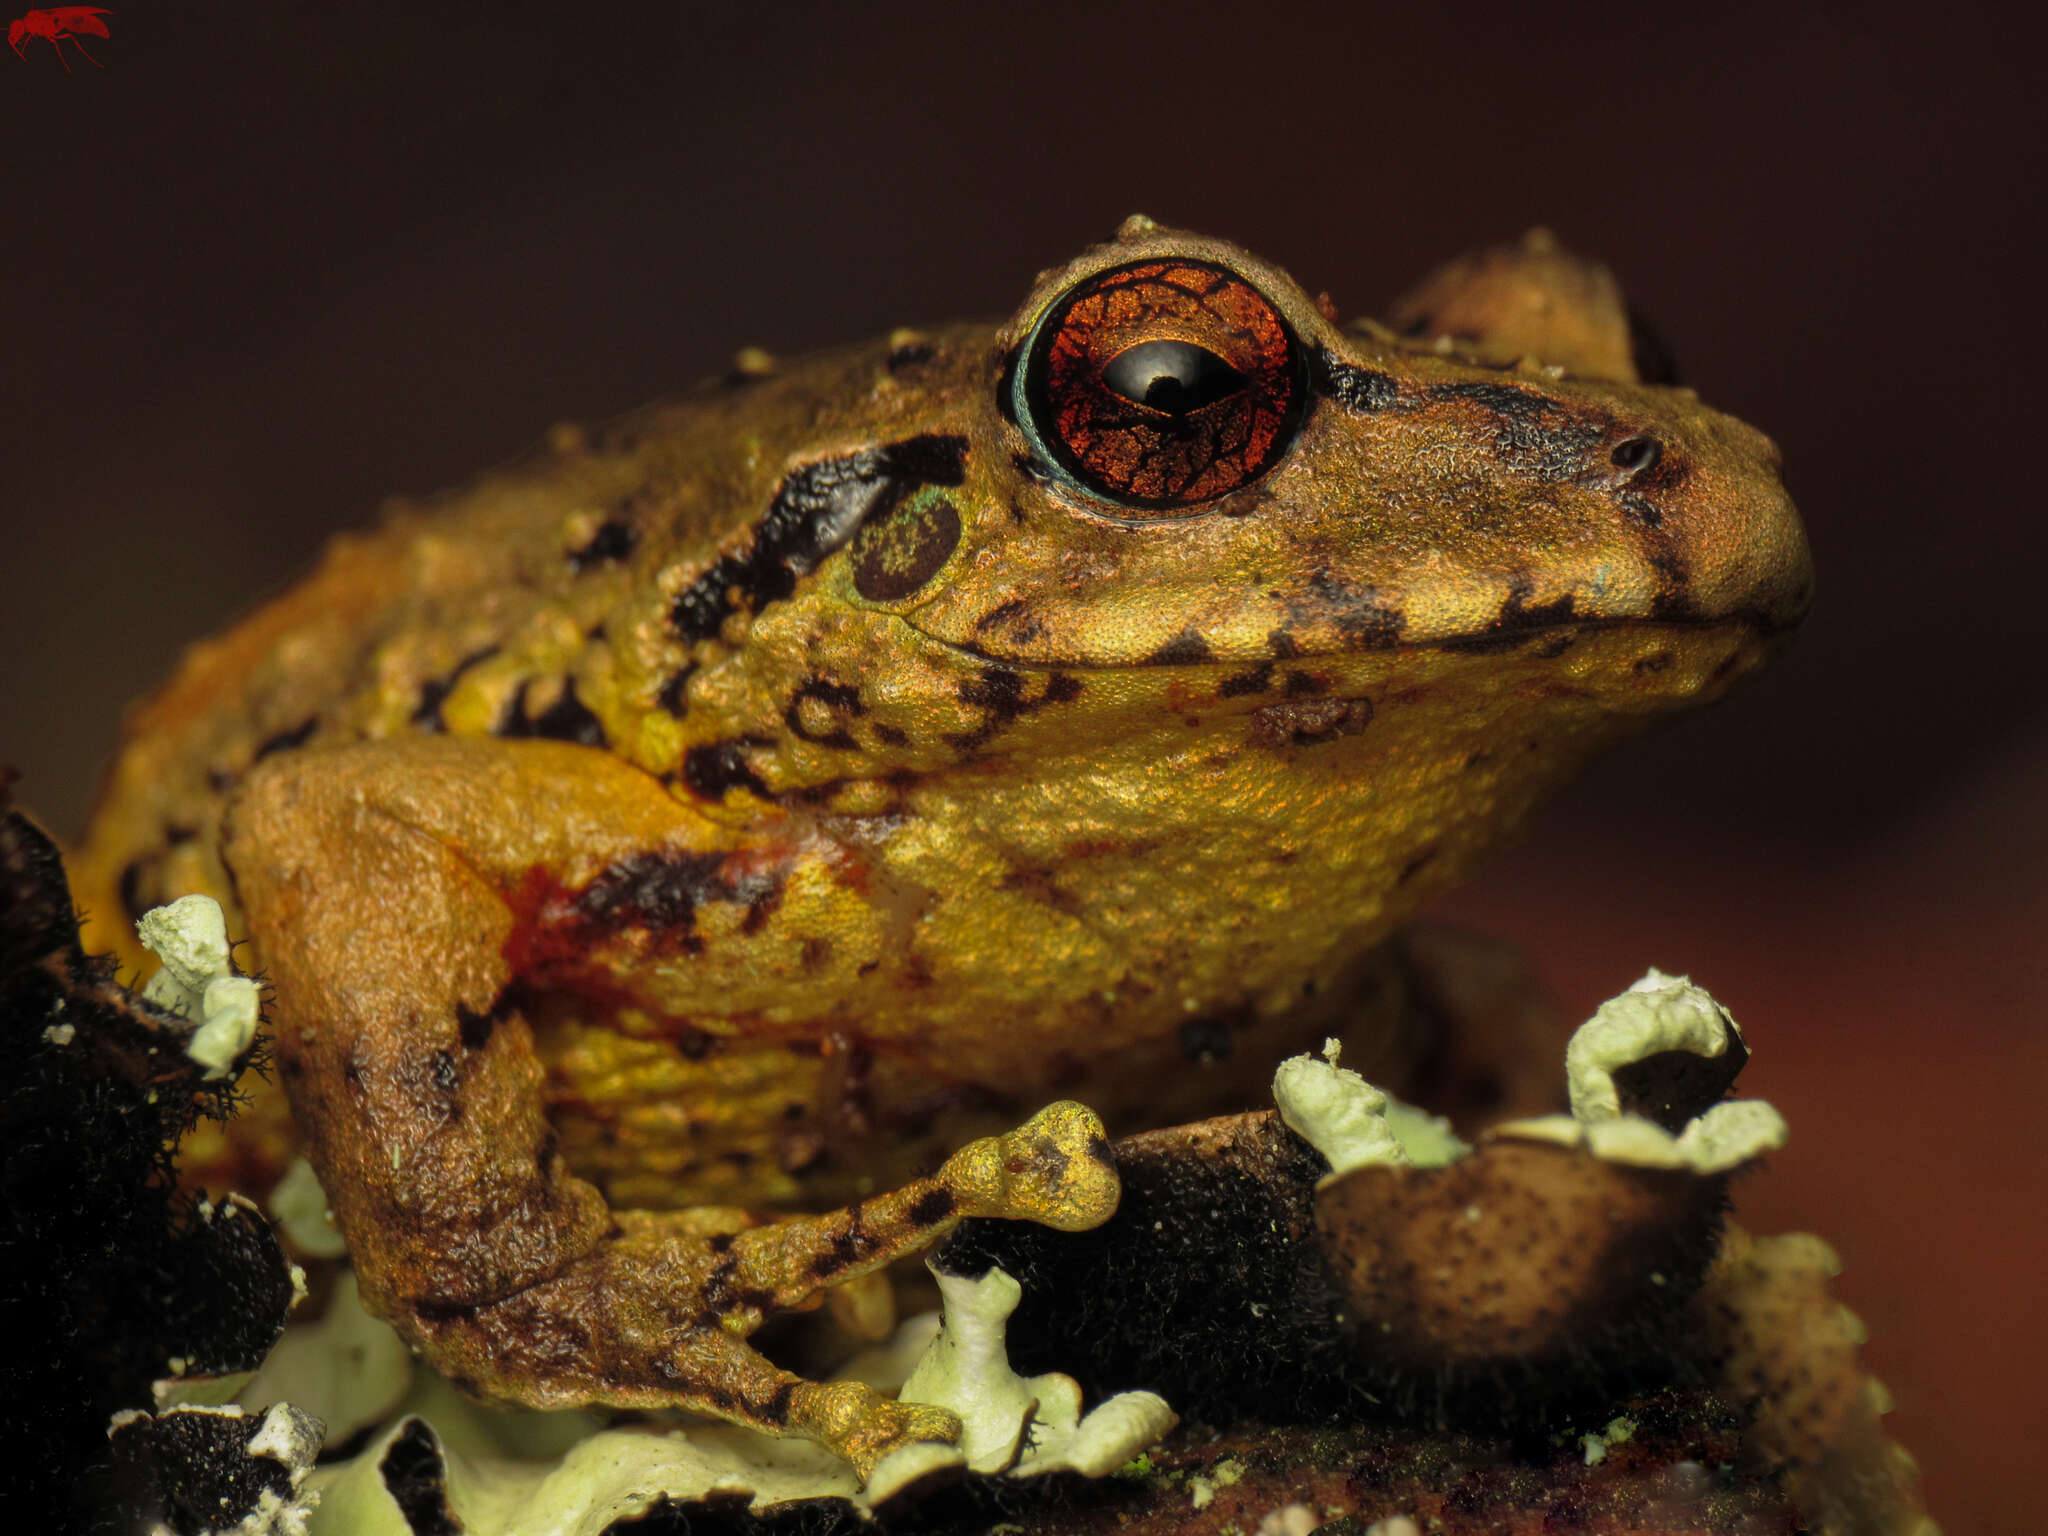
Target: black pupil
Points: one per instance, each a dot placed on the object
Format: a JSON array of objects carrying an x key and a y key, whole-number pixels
[{"x": 1176, "y": 377}]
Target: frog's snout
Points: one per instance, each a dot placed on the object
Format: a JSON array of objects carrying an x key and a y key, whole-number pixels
[{"x": 1732, "y": 539}]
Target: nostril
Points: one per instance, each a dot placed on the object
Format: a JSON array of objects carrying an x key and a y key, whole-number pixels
[{"x": 1633, "y": 455}]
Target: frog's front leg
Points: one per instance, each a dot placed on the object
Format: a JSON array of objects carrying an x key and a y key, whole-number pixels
[{"x": 378, "y": 882}]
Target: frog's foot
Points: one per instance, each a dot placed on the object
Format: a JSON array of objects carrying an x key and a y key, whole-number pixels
[
  {"x": 851, "y": 1419},
  {"x": 1056, "y": 1169},
  {"x": 861, "y": 1426}
]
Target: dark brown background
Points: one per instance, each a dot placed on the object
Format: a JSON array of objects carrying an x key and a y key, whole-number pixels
[{"x": 280, "y": 259}]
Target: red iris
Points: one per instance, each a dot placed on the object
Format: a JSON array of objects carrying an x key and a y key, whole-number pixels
[{"x": 1165, "y": 383}]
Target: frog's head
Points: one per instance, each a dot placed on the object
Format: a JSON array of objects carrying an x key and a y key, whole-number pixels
[
  {"x": 1172, "y": 513},
  {"x": 1174, "y": 472},
  {"x": 1182, "y": 458}
]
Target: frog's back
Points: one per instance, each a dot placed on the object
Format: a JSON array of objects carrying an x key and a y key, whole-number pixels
[{"x": 537, "y": 601}]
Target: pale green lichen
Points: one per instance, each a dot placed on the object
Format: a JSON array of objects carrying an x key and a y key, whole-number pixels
[
  {"x": 1355, "y": 1125},
  {"x": 512, "y": 1473},
  {"x": 299, "y": 1206},
  {"x": 1202, "y": 1486},
  {"x": 1352, "y": 1123},
  {"x": 346, "y": 1367},
  {"x": 197, "y": 981},
  {"x": 1598, "y": 1443},
  {"x": 967, "y": 1370},
  {"x": 1656, "y": 1014}
]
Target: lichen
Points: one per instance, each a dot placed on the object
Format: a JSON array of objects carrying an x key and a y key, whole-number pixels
[
  {"x": 512, "y": 1473},
  {"x": 197, "y": 981}
]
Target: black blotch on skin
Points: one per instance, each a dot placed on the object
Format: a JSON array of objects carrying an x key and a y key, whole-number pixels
[
  {"x": 1304, "y": 684},
  {"x": 1187, "y": 646},
  {"x": 890, "y": 736},
  {"x": 715, "y": 767},
  {"x": 176, "y": 832},
  {"x": 567, "y": 719},
  {"x": 1517, "y": 617},
  {"x": 837, "y": 699},
  {"x": 999, "y": 614},
  {"x": 434, "y": 692},
  {"x": 1531, "y": 432},
  {"x": 287, "y": 740},
  {"x": 1205, "y": 1040},
  {"x": 614, "y": 540},
  {"x": 1658, "y": 661},
  {"x": 897, "y": 552},
  {"x": 1000, "y": 692},
  {"x": 1257, "y": 680},
  {"x": 776, "y": 1409},
  {"x": 1360, "y": 615},
  {"x": 815, "y": 511},
  {"x": 1675, "y": 607},
  {"x": 911, "y": 355},
  {"x": 841, "y": 1255},
  {"x": 661, "y": 892},
  {"x": 1283, "y": 645},
  {"x": 653, "y": 890},
  {"x": 1356, "y": 389},
  {"x": 760, "y": 908},
  {"x": 932, "y": 1207},
  {"x": 673, "y": 695},
  {"x": 445, "y": 1077},
  {"x": 1641, "y": 508}
]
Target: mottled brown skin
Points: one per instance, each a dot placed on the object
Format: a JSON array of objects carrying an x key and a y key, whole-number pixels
[{"x": 744, "y": 803}]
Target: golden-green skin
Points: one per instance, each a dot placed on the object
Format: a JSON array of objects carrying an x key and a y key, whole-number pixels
[{"x": 939, "y": 858}]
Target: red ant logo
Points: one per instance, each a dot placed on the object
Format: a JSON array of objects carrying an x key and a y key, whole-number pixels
[{"x": 57, "y": 26}]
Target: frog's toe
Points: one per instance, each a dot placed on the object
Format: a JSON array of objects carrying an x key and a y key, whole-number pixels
[
  {"x": 1057, "y": 1169},
  {"x": 862, "y": 1427}
]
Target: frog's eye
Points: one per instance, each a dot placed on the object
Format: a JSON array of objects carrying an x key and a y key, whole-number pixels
[{"x": 1162, "y": 384}]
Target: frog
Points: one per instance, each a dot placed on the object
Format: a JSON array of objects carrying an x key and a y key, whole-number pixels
[{"x": 671, "y": 839}]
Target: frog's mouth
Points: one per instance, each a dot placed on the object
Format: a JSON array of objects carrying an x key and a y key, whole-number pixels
[
  {"x": 1340, "y": 623},
  {"x": 1300, "y": 697}
]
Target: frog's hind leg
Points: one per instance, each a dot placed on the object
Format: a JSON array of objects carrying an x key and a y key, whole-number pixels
[{"x": 380, "y": 884}]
